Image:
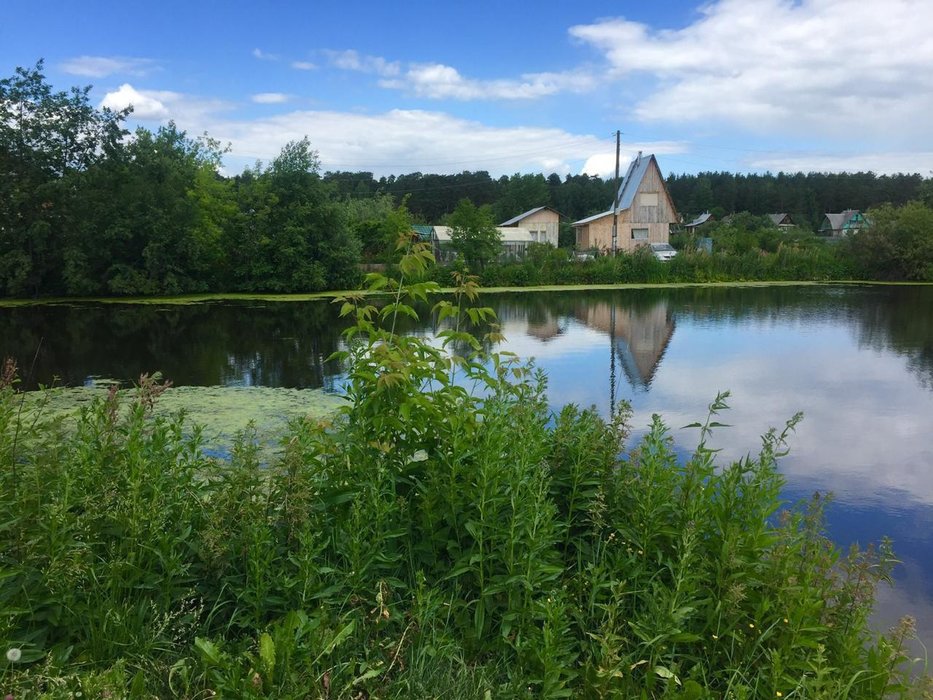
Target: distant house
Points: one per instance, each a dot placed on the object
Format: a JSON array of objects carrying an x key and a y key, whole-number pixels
[
  {"x": 703, "y": 218},
  {"x": 842, "y": 224},
  {"x": 782, "y": 221},
  {"x": 645, "y": 212},
  {"x": 543, "y": 223}
]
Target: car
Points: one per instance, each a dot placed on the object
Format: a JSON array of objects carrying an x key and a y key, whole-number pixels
[{"x": 663, "y": 251}]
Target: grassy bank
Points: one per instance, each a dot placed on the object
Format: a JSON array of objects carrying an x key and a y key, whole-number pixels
[{"x": 424, "y": 541}]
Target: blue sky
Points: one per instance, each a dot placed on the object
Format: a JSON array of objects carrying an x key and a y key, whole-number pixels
[{"x": 738, "y": 85}]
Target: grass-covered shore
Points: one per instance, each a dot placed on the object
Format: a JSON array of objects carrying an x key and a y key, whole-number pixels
[{"x": 424, "y": 541}]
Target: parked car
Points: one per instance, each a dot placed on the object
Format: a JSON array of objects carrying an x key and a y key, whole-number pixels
[{"x": 663, "y": 251}]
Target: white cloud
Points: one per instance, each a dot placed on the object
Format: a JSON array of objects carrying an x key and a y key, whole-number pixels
[
  {"x": 102, "y": 66},
  {"x": 824, "y": 67},
  {"x": 355, "y": 61},
  {"x": 263, "y": 56},
  {"x": 303, "y": 65},
  {"x": 270, "y": 98},
  {"x": 190, "y": 112},
  {"x": 145, "y": 106},
  {"x": 604, "y": 164},
  {"x": 438, "y": 81},
  {"x": 402, "y": 141}
]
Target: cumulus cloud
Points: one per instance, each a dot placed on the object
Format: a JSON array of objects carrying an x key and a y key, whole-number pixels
[
  {"x": 145, "y": 106},
  {"x": 355, "y": 61},
  {"x": 830, "y": 67},
  {"x": 410, "y": 140},
  {"x": 439, "y": 81},
  {"x": 270, "y": 98},
  {"x": 303, "y": 65},
  {"x": 158, "y": 105},
  {"x": 102, "y": 66}
]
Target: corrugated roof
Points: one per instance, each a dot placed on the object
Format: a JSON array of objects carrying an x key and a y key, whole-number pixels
[
  {"x": 701, "y": 219},
  {"x": 589, "y": 219},
  {"x": 633, "y": 177},
  {"x": 516, "y": 219}
]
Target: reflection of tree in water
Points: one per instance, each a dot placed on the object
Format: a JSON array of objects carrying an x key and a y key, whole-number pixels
[
  {"x": 275, "y": 344},
  {"x": 902, "y": 323},
  {"x": 896, "y": 319},
  {"x": 286, "y": 343}
]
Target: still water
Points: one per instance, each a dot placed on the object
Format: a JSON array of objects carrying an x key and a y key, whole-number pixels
[{"x": 858, "y": 361}]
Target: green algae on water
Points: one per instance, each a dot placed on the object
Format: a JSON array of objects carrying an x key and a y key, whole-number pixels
[{"x": 222, "y": 412}]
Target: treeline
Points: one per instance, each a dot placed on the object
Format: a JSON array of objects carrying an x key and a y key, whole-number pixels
[
  {"x": 806, "y": 197},
  {"x": 87, "y": 209},
  {"x": 432, "y": 197}
]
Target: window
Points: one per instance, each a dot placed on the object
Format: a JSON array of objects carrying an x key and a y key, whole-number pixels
[
  {"x": 648, "y": 199},
  {"x": 639, "y": 234}
]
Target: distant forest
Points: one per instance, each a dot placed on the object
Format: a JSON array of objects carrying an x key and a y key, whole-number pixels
[{"x": 806, "y": 197}]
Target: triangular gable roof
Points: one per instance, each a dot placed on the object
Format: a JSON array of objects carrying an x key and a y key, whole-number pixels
[
  {"x": 837, "y": 221},
  {"x": 779, "y": 219},
  {"x": 515, "y": 219}
]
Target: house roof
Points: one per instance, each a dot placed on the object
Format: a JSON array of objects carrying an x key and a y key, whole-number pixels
[
  {"x": 514, "y": 234},
  {"x": 515, "y": 219},
  {"x": 837, "y": 221},
  {"x": 625, "y": 197},
  {"x": 700, "y": 220},
  {"x": 633, "y": 177},
  {"x": 425, "y": 233},
  {"x": 779, "y": 219},
  {"x": 590, "y": 219},
  {"x": 507, "y": 234}
]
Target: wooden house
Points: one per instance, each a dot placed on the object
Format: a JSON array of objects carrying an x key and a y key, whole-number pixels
[
  {"x": 543, "y": 223},
  {"x": 645, "y": 212}
]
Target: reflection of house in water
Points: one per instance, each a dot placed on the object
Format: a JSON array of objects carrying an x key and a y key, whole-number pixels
[
  {"x": 520, "y": 319},
  {"x": 640, "y": 335}
]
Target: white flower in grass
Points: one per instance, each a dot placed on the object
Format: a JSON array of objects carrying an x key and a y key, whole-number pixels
[{"x": 13, "y": 655}]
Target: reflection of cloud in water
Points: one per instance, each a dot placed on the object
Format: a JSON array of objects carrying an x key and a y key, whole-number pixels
[{"x": 849, "y": 442}]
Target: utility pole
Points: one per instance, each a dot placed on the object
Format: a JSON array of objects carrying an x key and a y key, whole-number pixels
[{"x": 615, "y": 202}]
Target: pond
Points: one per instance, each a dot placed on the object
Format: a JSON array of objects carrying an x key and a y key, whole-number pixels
[{"x": 856, "y": 360}]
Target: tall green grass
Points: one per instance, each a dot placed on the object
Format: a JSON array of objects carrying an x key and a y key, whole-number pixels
[{"x": 445, "y": 535}]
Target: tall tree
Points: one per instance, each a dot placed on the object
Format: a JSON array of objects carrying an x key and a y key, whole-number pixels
[
  {"x": 474, "y": 235},
  {"x": 46, "y": 139}
]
